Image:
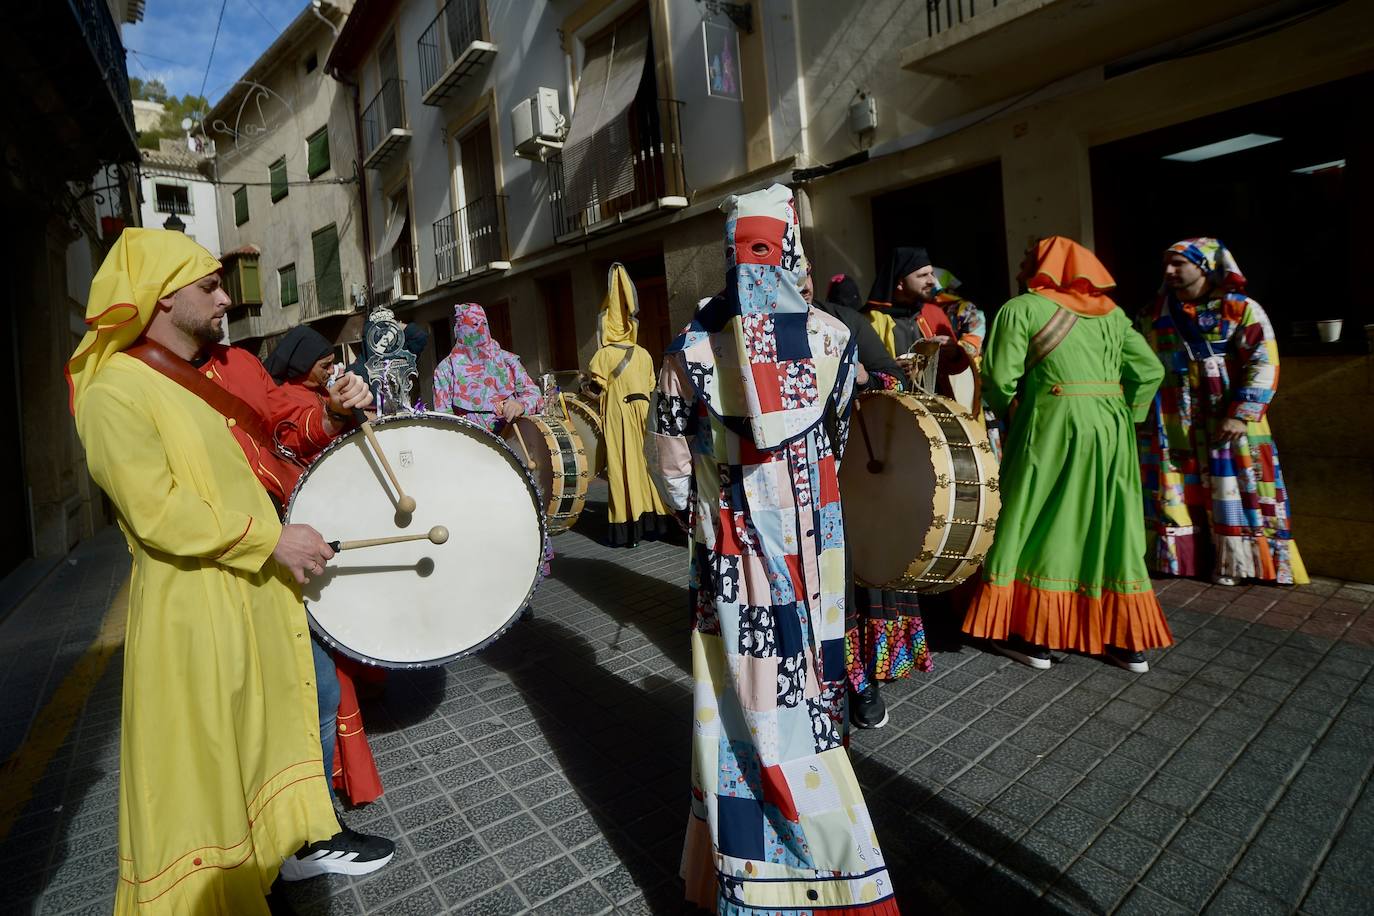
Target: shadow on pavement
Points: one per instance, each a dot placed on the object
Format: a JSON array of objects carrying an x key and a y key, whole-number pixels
[
  {"x": 625, "y": 749},
  {"x": 588, "y": 576}
]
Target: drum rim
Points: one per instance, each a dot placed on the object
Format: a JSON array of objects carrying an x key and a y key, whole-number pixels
[{"x": 335, "y": 645}]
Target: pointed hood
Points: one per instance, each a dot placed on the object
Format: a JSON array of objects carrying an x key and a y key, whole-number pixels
[
  {"x": 144, "y": 265},
  {"x": 618, "y": 324}
]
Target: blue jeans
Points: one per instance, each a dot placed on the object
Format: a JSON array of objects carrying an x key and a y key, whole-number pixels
[{"x": 327, "y": 692}]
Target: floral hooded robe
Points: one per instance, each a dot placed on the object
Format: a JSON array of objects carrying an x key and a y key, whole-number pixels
[
  {"x": 747, "y": 424},
  {"x": 477, "y": 375}
]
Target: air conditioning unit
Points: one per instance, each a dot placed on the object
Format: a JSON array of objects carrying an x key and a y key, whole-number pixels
[{"x": 537, "y": 125}]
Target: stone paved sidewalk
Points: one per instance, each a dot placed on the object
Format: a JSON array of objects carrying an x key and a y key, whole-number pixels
[{"x": 549, "y": 774}]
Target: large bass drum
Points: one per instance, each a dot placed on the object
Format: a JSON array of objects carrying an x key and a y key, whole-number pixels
[
  {"x": 584, "y": 416},
  {"x": 418, "y": 604},
  {"x": 559, "y": 464},
  {"x": 920, "y": 492}
]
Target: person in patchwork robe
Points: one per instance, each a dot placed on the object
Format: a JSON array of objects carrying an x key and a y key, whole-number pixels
[{"x": 748, "y": 422}]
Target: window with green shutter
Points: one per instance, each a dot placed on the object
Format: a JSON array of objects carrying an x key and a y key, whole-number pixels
[
  {"x": 287, "y": 282},
  {"x": 328, "y": 277},
  {"x": 241, "y": 206},
  {"x": 278, "y": 173},
  {"x": 319, "y": 153}
]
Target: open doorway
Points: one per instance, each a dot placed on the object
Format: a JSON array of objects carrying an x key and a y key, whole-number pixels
[
  {"x": 959, "y": 219},
  {"x": 1286, "y": 183}
]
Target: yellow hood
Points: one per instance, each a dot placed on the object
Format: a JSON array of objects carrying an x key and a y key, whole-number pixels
[
  {"x": 144, "y": 265},
  {"x": 618, "y": 325}
]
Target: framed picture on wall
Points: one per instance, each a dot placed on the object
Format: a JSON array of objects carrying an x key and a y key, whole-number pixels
[{"x": 721, "y": 44}]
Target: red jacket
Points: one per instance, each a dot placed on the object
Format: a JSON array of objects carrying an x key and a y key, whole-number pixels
[{"x": 293, "y": 413}]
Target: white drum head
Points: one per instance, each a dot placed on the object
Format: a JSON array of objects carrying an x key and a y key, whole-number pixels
[
  {"x": 419, "y": 604},
  {"x": 887, "y": 513}
]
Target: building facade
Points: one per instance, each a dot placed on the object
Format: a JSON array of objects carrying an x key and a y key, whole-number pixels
[
  {"x": 285, "y": 168},
  {"x": 176, "y": 194},
  {"x": 632, "y": 148},
  {"x": 511, "y": 152},
  {"x": 69, "y": 97}
]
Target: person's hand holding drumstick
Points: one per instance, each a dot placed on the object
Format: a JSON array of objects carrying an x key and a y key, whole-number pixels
[
  {"x": 346, "y": 393},
  {"x": 302, "y": 550},
  {"x": 509, "y": 409}
]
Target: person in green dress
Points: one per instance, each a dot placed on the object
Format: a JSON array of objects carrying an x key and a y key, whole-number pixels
[{"x": 1067, "y": 567}]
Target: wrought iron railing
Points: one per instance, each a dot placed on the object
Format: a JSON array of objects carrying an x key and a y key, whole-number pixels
[
  {"x": 657, "y": 154},
  {"x": 944, "y": 14},
  {"x": 469, "y": 238},
  {"x": 394, "y": 275},
  {"x": 458, "y": 25},
  {"x": 385, "y": 113},
  {"x": 174, "y": 205},
  {"x": 102, "y": 36}
]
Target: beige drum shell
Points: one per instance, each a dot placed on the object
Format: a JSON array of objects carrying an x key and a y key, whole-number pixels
[
  {"x": 559, "y": 465},
  {"x": 585, "y": 417},
  {"x": 925, "y": 521},
  {"x": 418, "y": 604}
]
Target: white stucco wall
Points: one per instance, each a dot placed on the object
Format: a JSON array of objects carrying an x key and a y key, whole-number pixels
[{"x": 202, "y": 223}]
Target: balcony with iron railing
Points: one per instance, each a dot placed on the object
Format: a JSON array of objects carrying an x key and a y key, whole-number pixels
[
  {"x": 471, "y": 241},
  {"x": 1017, "y": 44},
  {"x": 178, "y": 205},
  {"x": 452, "y": 49},
  {"x": 394, "y": 277},
  {"x": 581, "y": 209},
  {"x": 386, "y": 129},
  {"x": 313, "y": 306}
]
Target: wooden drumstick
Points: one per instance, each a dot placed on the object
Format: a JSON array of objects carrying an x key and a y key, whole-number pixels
[
  {"x": 404, "y": 503},
  {"x": 436, "y": 535},
  {"x": 874, "y": 465},
  {"x": 521, "y": 441}
]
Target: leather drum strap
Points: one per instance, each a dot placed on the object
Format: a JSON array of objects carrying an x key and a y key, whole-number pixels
[
  {"x": 226, "y": 403},
  {"x": 1050, "y": 336}
]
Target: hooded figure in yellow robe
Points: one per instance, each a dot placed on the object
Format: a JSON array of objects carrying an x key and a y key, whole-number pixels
[
  {"x": 623, "y": 371},
  {"x": 220, "y": 775}
]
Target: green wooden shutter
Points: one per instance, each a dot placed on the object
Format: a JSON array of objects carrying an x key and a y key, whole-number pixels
[
  {"x": 289, "y": 293},
  {"x": 278, "y": 172},
  {"x": 241, "y": 206},
  {"x": 319, "y": 153},
  {"x": 252, "y": 288},
  {"x": 328, "y": 277}
]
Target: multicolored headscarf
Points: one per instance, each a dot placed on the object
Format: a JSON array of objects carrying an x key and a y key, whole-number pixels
[
  {"x": 1215, "y": 260},
  {"x": 144, "y": 266},
  {"x": 618, "y": 324},
  {"x": 1060, "y": 269},
  {"x": 476, "y": 371},
  {"x": 945, "y": 285},
  {"x": 749, "y": 353}
]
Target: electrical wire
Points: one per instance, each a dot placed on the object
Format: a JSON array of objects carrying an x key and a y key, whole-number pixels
[
  {"x": 269, "y": 22},
  {"x": 213, "y": 44}
]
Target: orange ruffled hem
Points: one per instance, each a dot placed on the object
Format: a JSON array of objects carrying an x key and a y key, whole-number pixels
[{"x": 1069, "y": 620}]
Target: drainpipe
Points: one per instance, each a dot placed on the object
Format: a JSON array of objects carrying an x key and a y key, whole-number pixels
[{"x": 361, "y": 174}]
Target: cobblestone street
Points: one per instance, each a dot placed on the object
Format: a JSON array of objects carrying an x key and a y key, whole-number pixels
[{"x": 550, "y": 773}]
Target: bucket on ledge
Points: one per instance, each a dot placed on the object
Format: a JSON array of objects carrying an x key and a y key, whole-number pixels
[{"x": 1330, "y": 331}]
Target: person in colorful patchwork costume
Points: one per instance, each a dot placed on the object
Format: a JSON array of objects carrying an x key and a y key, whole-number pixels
[
  {"x": 1067, "y": 567},
  {"x": 748, "y": 422},
  {"x": 1215, "y": 500}
]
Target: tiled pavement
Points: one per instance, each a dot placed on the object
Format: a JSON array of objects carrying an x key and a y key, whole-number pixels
[{"x": 550, "y": 773}]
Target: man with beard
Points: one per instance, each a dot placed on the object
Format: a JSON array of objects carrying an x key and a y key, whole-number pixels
[
  {"x": 902, "y": 308},
  {"x": 217, "y": 650}
]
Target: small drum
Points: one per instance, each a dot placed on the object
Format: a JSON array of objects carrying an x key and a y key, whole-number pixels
[
  {"x": 585, "y": 417},
  {"x": 558, "y": 462},
  {"x": 418, "y": 604},
  {"x": 919, "y": 488}
]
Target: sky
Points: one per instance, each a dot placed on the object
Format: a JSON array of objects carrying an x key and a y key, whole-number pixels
[{"x": 173, "y": 41}]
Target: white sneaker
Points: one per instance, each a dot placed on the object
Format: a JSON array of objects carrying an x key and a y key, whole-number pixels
[{"x": 345, "y": 853}]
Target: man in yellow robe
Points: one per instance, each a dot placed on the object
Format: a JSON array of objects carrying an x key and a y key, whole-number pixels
[
  {"x": 220, "y": 766},
  {"x": 623, "y": 372}
]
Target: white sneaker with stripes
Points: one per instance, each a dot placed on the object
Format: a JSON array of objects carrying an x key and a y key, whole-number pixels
[{"x": 345, "y": 853}]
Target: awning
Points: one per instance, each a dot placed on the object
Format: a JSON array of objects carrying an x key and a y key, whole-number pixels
[{"x": 598, "y": 162}]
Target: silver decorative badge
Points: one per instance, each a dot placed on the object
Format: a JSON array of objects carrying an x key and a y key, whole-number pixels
[{"x": 390, "y": 366}]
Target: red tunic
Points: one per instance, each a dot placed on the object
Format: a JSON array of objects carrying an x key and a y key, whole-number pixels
[{"x": 294, "y": 413}]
